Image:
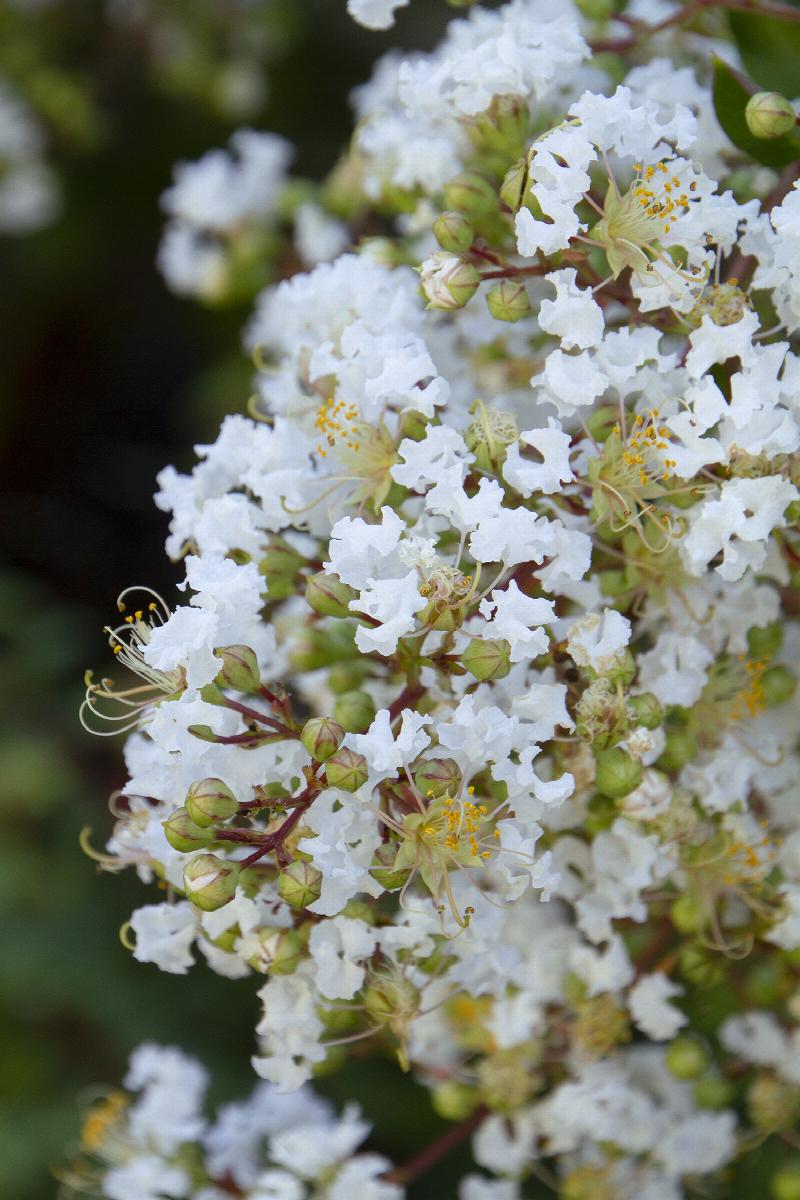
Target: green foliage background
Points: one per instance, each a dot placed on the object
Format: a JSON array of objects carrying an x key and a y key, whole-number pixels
[{"x": 104, "y": 378}]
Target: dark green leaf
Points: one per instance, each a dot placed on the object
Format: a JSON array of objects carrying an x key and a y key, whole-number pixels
[
  {"x": 770, "y": 50},
  {"x": 730, "y": 98}
]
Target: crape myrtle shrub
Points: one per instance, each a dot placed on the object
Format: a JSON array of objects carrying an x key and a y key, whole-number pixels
[{"x": 471, "y": 735}]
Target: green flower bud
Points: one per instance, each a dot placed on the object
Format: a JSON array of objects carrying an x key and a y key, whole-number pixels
[
  {"x": 623, "y": 670},
  {"x": 280, "y": 567},
  {"x": 679, "y": 749},
  {"x": 328, "y": 596},
  {"x": 601, "y": 814},
  {"x": 347, "y": 770},
  {"x": 500, "y": 132},
  {"x": 436, "y": 776},
  {"x": 596, "y": 10},
  {"x": 347, "y": 676},
  {"x": 686, "y": 1057},
  {"x": 211, "y": 802},
  {"x": 769, "y": 115},
  {"x": 183, "y": 834},
  {"x": 714, "y": 1091},
  {"x": 646, "y": 709},
  {"x": 239, "y": 668},
  {"x": 300, "y": 884},
  {"x": 513, "y": 186},
  {"x": 764, "y": 640},
  {"x": 453, "y": 232},
  {"x": 412, "y": 424},
  {"x": 321, "y": 737},
  {"x": 616, "y": 773},
  {"x": 453, "y": 1101},
  {"x": 785, "y": 1183},
  {"x": 613, "y": 582},
  {"x": 487, "y": 658},
  {"x": 447, "y": 281},
  {"x": 384, "y": 871},
  {"x": 766, "y": 982},
  {"x": 210, "y": 881},
  {"x": 686, "y": 914},
  {"x": 508, "y": 301},
  {"x": 772, "y": 1103},
  {"x": 470, "y": 193},
  {"x": 354, "y": 711},
  {"x": 699, "y": 967},
  {"x": 778, "y": 685},
  {"x": 277, "y": 951}
]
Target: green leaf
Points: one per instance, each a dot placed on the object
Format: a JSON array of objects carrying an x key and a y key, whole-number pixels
[
  {"x": 730, "y": 99},
  {"x": 770, "y": 50}
]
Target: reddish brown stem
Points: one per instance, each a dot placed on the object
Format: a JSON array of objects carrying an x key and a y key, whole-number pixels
[
  {"x": 409, "y": 696},
  {"x": 782, "y": 12},
  {"x": 252, "y": 714},
  {"x": 438, "y": 1149}
]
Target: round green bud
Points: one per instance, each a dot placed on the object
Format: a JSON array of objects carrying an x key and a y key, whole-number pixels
[
  {"x": 453, "y": 1101},
  {"x": 765, "y": 982},
  {"x": 680, "y": 748},
  {"x": 778, "y": 685},
  {"x": 347, "y": 770},
  {"x": 699, "y": 967},
  {"x": 601, "y": 814},
  {"x": 785, "y": 1183},
  {"x": 769, "y": 115},
  {"x": 453, "y": 232},
  {"x": 278, "y": 951},
  {"x": 686, "y": 1057},
  {"x": 508, "y": 301},
  {"x": 764, "y": 640},
  {"x": 346, "y": 676},
  {"x": 321, "y": 737},
  {"x": 239, "y": 668},
  {"x": 211, "y": 802},
  {"x": 300, "y": 884},
  {"x": 447, "y": 281},
  {"x": 714, "y": 1091},
  {"x": 487, "y": 658},
  {"x": 383, "y": 868},
  {"x": 596, "y": 10},
  {"x": 280, "y": 558},
  {"x": 413, "y": 425},
  {"x": 210, "y": 882},
  {"x": 512, "y": 189},
  {"x": 328, "y": 596},
  {"x": 646, "y": 709},
  {"x": 183, "y": 834},
  {"x": 616, "y": 773},
  {"x": 354, "y": 711},
  {"x": 470, "y": 193},
  {"x": 436, "y": 776},
  {"x": 686, "y": 914},
  {"x": 613, "y": 582}
]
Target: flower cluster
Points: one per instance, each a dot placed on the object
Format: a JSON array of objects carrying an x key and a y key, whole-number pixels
[{"x": 475, "y": 735}]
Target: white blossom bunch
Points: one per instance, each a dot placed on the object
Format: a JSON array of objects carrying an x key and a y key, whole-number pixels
[{"x": 474, "y": 734}]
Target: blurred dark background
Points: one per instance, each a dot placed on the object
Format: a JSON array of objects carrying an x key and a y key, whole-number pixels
[{"x": 104, "y": 378}]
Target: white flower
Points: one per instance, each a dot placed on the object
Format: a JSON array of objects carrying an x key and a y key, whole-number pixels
[
  {"x": 374, "y": 14},
  {"x": 737, "y": 524},
  {"x": 574, "y": 316},
  {"x": 676, "y": 668},
  {"x": 598, "y": 640},
  {"x": 510, "y": 614},
  {"x": 337, "y": 948},
  {"x": 529, "y": 475},
  {"x": 648, "y": 1001},
  {"x": 146, "y": 1177},
  {"x": 164, "y": 934}
]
